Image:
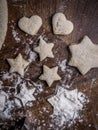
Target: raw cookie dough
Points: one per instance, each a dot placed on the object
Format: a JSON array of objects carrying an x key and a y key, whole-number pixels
[
  {"x": 30, "y": 25},
  {"x": 44, "y": 49},
  {"x": 3, "y": 20},
  {"x": 61, "y": 25},
  {"x": 50, "y": 75},
  {"x": 18, "y": 65},
  {"x": 84, "y": 55}
]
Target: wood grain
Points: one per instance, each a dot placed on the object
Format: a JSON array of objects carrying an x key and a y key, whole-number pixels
[{"x": 84, "y": 15}]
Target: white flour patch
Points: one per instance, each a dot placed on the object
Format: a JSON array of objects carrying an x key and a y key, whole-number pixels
[
  {"x": 15, "y": 35},
  {"x": 68, "y": 73},
  {"x": 12, "y": 77},
  {"x": 6, "y": 107},
  {"x": 3, "y": 97},
  {"x": 32, "y": 56},
  {"x": 1, "y": 84},
  {"x": 26, "y": 95},
  {"x": 6, "y": 76},
  {"x": 21, "y": 98},
  {"x": 43, "y": 36},
  {"x": 7, "y": 113},
  {"x": 30, "y": 41},
  {"x": 62, "y": 65},
  {"x": 66, "y": 86},
  {"x": 67, "y": 105},
  {"x": 39, "y": 87}
]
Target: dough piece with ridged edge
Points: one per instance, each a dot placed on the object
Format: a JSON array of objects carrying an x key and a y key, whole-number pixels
[{"x": 3, "y": 21}]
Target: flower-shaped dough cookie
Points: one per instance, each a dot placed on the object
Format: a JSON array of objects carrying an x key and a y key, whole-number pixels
[{"x": 84, "y": 55}]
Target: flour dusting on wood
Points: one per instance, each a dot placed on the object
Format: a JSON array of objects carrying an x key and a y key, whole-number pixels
[
  {"x": 62, "y": 65},
  {"x": 66, "y": 105},
  {"x": 21, "y": 98},
  {"x": 16, "y": 36}
]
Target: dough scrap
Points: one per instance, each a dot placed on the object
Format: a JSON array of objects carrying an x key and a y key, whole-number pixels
[
  {"x": 61, "y": 25},
  {"x": 50, "y": 75},
  {"x": 18, "y": 65},
  {"x": 3, "y": 21},
  {"x": 30, "y": 25},
  {"x": 84, "y": 55},
  {"x": 44, "y": 49}
]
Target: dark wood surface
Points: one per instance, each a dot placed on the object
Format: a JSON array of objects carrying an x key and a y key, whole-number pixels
[{"x": 84, "y": 15}]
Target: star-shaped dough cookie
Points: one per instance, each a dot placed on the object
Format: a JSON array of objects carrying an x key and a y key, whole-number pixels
[
  {"x": 84, "y": 55},
  {"x": 18, "y": 65},
  {"x": 44, "y": 49},
  {"x": 50, "y": 75}
]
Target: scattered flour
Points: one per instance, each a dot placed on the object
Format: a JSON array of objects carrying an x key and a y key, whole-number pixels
[
  {"x": 66, "y": 86},
  {"x": 39, "y": 87},
  {"x": 1, "y": 84},
  {"x": 43, "y": 36},
  {"x": 62, "y": 6},
  {"x": 67, "y": 105},
  {"x": 62, "y": 65},
  {"x": 14, "y": 32},
  {"x": 2, "y": 100},
  {"x": 15, "y": 35},
  {"x": 26, "y": 95},
  {"x": 68, "y": 73},
  {"x": 6, "y": 114},
  {"x": 32, "y": 56},
  {"x": 13, "y": 77},
  {"x": 6, "y": 106},
  {"x": 21, "y": 98},
  {"x": 6, "y": 76},
  {"x": 30, "y": 41}
]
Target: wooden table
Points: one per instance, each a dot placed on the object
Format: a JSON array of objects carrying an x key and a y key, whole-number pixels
[{"x": 84, "y": 15}]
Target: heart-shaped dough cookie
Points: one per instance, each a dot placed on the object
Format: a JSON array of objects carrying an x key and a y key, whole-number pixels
[
  {"x": 61, "y": 25},
  {"x": 30, "y": 25}
]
